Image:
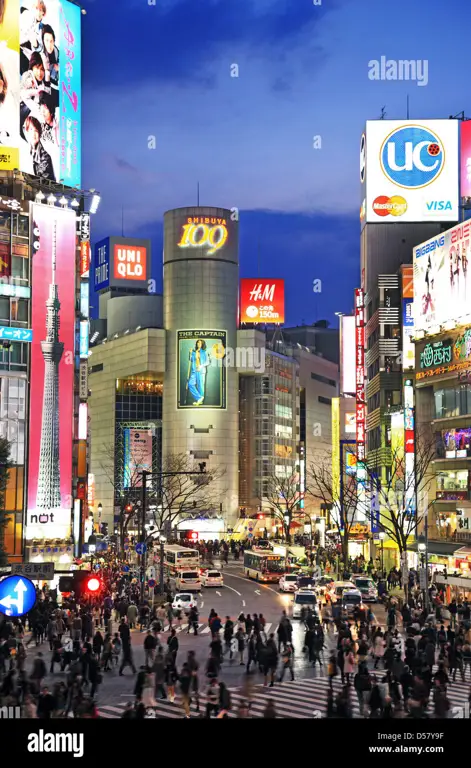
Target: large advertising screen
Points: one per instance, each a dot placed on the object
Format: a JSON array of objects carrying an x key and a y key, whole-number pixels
[
  {"x": 442, "y": 281},
  {"x": 262, "y": 301},
  {"x": 40, "y": 98},
  {"x": 411, "y": 170},
  {"x": 137, "y": 455},
  {"x": 201, "y": 372},
  {"x": 52, "y": 372}
]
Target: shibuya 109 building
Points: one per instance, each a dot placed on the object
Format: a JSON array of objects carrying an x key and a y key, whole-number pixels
[{"x": 198, "y": 378}]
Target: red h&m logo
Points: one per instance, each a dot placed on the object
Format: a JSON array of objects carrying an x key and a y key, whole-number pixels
[{"x": 130, "y": 263}]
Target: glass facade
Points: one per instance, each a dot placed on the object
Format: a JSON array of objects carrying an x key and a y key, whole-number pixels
[{"x": 452, "y": 401}]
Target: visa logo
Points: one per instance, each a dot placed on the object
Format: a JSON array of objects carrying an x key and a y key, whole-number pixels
[
  {"x": 439, "y": 205},
  {"x": 439, "y": 242}
]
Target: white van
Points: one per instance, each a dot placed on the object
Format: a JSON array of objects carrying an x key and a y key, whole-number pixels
[
  {"x": 188, "y": 581},
  {"x": 304, "y": 598}
]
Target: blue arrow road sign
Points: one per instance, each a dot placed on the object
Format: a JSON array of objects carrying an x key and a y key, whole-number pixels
[
  {"x": 17, "y": 595},
  {"x": 141, "y": 548},
  {"x": 16, "y": 334}
]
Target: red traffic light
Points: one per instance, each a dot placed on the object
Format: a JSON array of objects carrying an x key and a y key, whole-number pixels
[
  {"x": 128, "y": 507},
  {"x": 260, "y": 517},
  {"x": 194, "y": 536},
  {"x": 93, "y": 584}
]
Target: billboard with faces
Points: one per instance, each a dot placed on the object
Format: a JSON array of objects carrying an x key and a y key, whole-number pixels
[{"x": 40, "y": 89}]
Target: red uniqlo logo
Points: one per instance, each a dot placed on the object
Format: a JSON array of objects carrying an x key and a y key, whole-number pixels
[{"x": 130, "y": 263}]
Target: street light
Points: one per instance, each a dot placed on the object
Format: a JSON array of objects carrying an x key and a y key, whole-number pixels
[
  {"x": 382, "y": 537},
  {"x": 161, "y": 539}
]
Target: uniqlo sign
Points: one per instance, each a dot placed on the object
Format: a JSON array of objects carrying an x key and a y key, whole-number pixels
[
  {"x": 130, "y": 262},
  {"x": 262, "y": 301}
]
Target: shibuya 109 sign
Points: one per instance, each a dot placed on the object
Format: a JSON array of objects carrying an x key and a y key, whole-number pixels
[{"x": 207, "y": 232}]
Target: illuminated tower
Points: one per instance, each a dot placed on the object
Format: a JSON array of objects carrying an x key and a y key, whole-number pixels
[{"x": 49, "y": 495}]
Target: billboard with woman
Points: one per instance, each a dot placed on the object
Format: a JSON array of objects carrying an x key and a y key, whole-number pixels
[{"x": 201, "y": 367}]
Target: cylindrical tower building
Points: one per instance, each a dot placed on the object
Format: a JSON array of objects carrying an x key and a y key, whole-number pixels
[{"x": 201, "y": 392}]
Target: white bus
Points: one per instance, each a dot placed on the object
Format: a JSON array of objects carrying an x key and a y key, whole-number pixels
[
  {"x": 177, "y": 558},
  {"x": 264, "y": 566}
]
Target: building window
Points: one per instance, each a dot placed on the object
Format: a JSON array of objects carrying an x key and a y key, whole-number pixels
[
  {"x": 283, "y": 431},
  {"x": 323, "y": 379},
  {"x": 452, "y": 481},
  {"x": 95, "y": 368},
  {"x": 452, "y": 401},
  {"x": 325, "y": 400}
]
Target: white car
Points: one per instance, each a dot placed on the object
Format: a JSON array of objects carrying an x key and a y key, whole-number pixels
[
  {"x": 304, "y": 598},
  {"x": 184, "y": 601},
  {"x": 367, "y": 588},
  {"x": 212, "y": 578},
  {"x": 188, "y": 580},
  {"x": 351, "y": 599},
  {"x": 288, "y": 583}
]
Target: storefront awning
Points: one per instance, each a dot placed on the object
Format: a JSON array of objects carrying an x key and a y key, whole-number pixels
[
  {"x": 441, "y": 548},
  {"x": 463, "y": 552}
]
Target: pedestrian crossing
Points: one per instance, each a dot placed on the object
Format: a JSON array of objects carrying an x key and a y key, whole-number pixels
[
  {"x": 299, "y": 699},
  {"x": 203, "y": 629}
]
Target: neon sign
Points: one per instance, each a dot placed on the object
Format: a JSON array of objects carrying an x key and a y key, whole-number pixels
[
  {"x": 439, "y": 353},
  {"x": 204, "y": 231}
]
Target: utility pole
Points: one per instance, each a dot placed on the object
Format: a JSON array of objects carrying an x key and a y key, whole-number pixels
[{"x": 142, "y": 532}]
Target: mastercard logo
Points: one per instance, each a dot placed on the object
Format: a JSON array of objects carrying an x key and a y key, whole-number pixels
[{"x": 385, "y": 206}]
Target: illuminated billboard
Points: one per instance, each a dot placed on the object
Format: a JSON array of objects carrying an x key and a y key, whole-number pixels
[
  {"x": 40, "y": 66},
  {"x": 448, "y": 355},
  {"x": 137, "y": 455},
  {"x": 335, "y": 450},
  {"x": 465, "y": 158},
  {"x": 442, "y": 280},
  {"x": 201, "y": 370},
  {"x": 410, "y": 170},
  {"x": 262, "y": 301},
  {"x": 52, "y": 372},
  {"x": 347, "y": 355},
  {"x": 408, "y": 325},
  {"x": 121, "y": 262}
]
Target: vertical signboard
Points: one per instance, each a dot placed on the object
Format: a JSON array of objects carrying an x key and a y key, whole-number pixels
[
  {"x": 40, "y": 67},
  {"x": 335, "y": 450},
  {"x": 347, "y": 355},
  {"x": 408, "y": 326},
  {"x": 360, "y": 400},
  {"x": 51, "y": 418},
  {"x": 70, "y": 63},
  {"x": 409, "y": 446}
]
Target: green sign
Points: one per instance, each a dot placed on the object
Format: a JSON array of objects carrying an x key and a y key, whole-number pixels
[{"x": 438, "y": 353}]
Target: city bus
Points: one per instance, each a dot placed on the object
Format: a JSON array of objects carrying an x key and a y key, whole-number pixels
[
  {"x": 264, "y": 566},
  {"x": 177, "y": 558}
]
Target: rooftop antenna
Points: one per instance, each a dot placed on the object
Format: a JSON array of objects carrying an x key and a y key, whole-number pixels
[
  {"x": 197, "y": 194},
  {"x": 407, "y": 106},
  {"x": 383, "y": 113}
]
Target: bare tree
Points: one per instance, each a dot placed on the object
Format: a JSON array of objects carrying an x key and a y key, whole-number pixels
[
  {"x": 401, "y": 502},
  {"x": 283, "y": 497},
  {"x": 175, "y": 490},
  {"x": 344, "y": 511}
]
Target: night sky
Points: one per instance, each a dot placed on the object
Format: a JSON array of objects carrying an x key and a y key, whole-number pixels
[{"x": 164, "y": 70}]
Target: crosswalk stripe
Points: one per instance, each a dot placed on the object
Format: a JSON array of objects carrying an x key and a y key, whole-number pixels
[{"x": 296, "y": 699}]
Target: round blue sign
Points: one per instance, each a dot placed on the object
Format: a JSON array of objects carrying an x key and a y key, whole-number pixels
[
  {"x": 17, "y": 596},
  {"x": 141, "y": 548},
  {"x": 151, "y": 583},
  {"x": 125, "y": 569}
]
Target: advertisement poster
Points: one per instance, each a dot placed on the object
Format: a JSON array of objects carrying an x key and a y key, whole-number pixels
[
  {"x": 262, "y": 301},
  {"x": 442, "y": 281},
  {"x": 201, "y": 373},
  {"x": 465, "y": 154},
  {"x": 40, "y": 102},
  {"x": 137, "y": 456},
  {"x": 411, "y": 171},
  {"x": 52, "y": 372}
]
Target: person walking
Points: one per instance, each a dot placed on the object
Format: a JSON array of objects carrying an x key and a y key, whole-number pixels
[
  {"x": 378, "y": 649},
  {"x": 150, "y": 644},
  {"x": 173, "y": 645},
  {"x": 287, "y": 660},
  {"x": 193, "y": 666},
  {"x": 212, "y": 698},
  {"x": 185, "y": 688}
]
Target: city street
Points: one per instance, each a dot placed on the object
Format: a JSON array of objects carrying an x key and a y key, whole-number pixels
[{"x": 306, "y": 697}]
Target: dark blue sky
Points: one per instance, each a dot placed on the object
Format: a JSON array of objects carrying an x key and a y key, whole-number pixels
[{"x": 164, "y": 70}]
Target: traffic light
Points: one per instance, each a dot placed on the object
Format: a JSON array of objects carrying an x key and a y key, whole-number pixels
[
  {"x": 128, "y": 508},
  {"x": 194, "y": 536},
  {"x": 260, "y": 517},
  {"x": 93, "y": 585}
]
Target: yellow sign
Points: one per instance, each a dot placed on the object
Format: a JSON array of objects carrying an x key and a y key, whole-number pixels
[
  {"x": 335, "y": 449},
  {"x": 358, "y": 530},
  {"x": 204, "y": 231}
]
